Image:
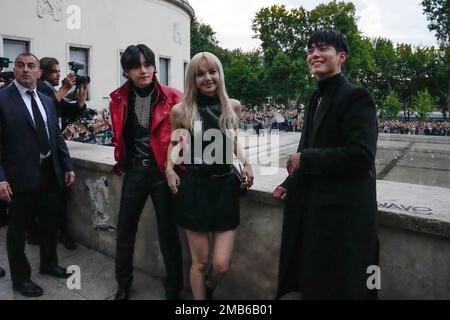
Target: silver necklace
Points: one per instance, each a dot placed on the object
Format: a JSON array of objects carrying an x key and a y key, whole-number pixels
[{"x": 143, "y": 108}]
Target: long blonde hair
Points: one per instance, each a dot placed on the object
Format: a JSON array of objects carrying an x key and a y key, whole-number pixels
[{"x": 228, "y": 118}]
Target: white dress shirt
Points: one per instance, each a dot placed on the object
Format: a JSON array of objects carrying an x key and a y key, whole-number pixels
[{"x": 27, "y": 100}]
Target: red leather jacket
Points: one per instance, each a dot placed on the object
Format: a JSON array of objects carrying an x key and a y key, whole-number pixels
[{"x": 160, "y": 131}]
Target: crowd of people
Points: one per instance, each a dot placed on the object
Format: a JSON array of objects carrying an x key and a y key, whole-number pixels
[
  {"x": 428, "y": 128},
  {"x": 291, "y": 120},
  {"x": 270, "y": 119}
]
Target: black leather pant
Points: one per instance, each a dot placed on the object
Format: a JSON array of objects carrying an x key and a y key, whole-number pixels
[{"x": 139, "y": 183}]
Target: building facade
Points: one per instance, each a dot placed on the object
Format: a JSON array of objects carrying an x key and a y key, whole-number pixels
[{"x": 96, "y": 33}]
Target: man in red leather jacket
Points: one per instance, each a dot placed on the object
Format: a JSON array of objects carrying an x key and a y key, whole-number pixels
[{"x": 140, "y": 115}]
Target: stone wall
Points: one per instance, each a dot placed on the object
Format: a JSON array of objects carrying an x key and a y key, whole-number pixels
[{"x": 414, "y": 232}]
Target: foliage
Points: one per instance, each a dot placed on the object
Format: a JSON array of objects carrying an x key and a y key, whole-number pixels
[
  {"x": 392, "y": 72},
  {"x": 390, "y": 107},
  {"x": 423, "y": 103},
  {"x": 438, "y": 16}
]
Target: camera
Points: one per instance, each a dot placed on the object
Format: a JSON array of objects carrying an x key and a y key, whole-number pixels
[
  {"x": 4, "y": 63},
  {"x": 75, "y": 66},
  {"x": 7, "y": 76}
]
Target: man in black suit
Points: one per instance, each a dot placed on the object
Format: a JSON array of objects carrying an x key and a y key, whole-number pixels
[
  {"x": 34, "y": 165},
  {"x": 67, "y": 111},
  {"x": 329, "y": 234}
]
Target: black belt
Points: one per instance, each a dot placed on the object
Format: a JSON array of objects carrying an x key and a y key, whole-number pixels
[
  {"x": 143, "y": 162},
  {"x": 211, "y": 172}
]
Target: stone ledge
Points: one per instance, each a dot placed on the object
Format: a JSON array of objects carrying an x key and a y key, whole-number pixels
[{"x": 410, "y": 207}]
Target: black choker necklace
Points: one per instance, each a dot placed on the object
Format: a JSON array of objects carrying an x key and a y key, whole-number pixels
[
  {"x": 204, "y": 100},
  {"x": 145, "y": 92}
]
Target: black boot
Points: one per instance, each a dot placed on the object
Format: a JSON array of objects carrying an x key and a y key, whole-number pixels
[
  {"x": 209, "y": 292},
  {"x": 122, "y": 294}
]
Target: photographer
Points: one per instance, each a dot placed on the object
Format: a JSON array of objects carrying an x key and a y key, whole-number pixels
[{"x": 67, "y": 111}]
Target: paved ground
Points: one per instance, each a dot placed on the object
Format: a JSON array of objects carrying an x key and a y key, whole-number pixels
[
  {"x": 97, "y": 277},
  {"x": 423, "y": 160}
]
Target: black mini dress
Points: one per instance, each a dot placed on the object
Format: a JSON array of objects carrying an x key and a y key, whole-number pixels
[{"x": 208, "y": 195}]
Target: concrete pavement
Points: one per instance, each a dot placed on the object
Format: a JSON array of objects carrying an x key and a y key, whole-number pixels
[{"x": 97, "y": 277}]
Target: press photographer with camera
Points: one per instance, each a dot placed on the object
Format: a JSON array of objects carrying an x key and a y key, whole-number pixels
[{"x": 68, "y": 111}]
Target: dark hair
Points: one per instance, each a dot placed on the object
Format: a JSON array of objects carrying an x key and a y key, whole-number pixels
[
  {"x": 27, "y": 54},
  {"x": 47, "y": 64},
  {"x": 131, "y": 58},
  {"x": 329, "y": 37}
]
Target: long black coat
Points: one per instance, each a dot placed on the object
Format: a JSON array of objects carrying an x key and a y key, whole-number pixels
[{"x": 329, "y": 234}]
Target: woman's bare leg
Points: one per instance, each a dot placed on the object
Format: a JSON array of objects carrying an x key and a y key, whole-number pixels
[
  {"x": 199, "y": 246},
  {"x": 223, "y": 244}
]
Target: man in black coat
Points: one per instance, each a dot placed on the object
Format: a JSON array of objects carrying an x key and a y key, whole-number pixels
[
  {"x": 34, "y": 165},
  {"x": 329, "y": 236},
  {"x": 68, "y": 111}
]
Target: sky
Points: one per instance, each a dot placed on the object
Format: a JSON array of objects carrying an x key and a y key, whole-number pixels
[{"x": 402, "y": 21}]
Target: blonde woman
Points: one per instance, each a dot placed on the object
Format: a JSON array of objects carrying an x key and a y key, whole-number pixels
[{"x": 206, "y": 194}]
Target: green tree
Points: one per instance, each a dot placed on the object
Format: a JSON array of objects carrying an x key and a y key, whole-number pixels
[
  {"x": 405, "y": 76},
  {"x": 284, "y": 34},
  {"x": 381, "y": 79},
  {"x": 203, "y": 38},
  {"x": 280, "y": 29},
  {"x": 304, "y": 82},
  {"x": 391, "y": 106},
  {"x": 423, "y": 103},
  {"x": 439, "y": 82},
  {"x": 245, "y": 77},
  {"x": 279, "y": 75},
  {"x": 438, "y": 16}
]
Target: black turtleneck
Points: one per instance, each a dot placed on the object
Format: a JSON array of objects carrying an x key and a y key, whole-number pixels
[
  {"x": 209, "y": 111},
  {"x": 207, "y": 101},
  {"x": 144, "y": 92},
  {"x": 324, "y": 84}
]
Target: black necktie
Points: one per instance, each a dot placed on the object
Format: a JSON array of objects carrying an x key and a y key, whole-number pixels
[{"x": 43, "y": 142}]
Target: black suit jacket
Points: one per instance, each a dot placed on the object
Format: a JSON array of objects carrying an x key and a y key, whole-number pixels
[
  {"x": 330, "y": 221},
  {"x": 19, "y": 150}
]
